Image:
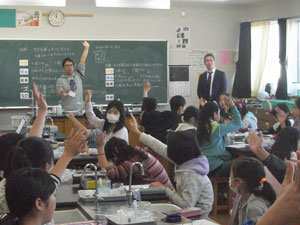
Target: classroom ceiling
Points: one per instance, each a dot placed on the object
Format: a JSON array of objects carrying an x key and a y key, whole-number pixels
[{"x": 222, "y": 1}]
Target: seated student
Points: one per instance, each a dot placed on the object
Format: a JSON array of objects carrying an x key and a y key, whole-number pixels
[
  {"x": 11, "y": 139},
  {"x": 249, "y": 121},
  {"x": 211, "y": 137},
  {"x": 36, "y": 152},
  {"x": 296, "y": 113},
  {"x": 169, "y": 118},
  {"x": 150, "y": 117},
  {"x": 193, "y": 187},
  {"x": 123, "y": 155},
  {"x": 285, "y": 209},
  {"x": 281, "y": 112},
  {"x": 190, "y": 118},
  {"x": 114, "y": 122},
  {"x": 90, "y": 128},
  {"x": 283, "y": 149},
  {"x": 30, "y": 196},
  {"x": 254, "y": 193}
]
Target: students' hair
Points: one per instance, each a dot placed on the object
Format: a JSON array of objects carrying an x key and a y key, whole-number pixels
[
  {"x": 297, "y": 103},
  {"x": 120, "y": 124},
  {"x": 119, "y": 149},
  {"x": 30, "y": 152},
  {"x": 226, "y": 94},
  {"x": 182, "y": 146},
  {"x": 241, "y": 107},
  {"x": 252, "y": 171},
  {"x": 149, "y": 104},
  {"x": 204, "y": 125},
  {"x": 67, "y": 60},
  {"x": 286, "y": 142},
  {"x": 177, "y": 101},
  {"x": 284, "y": 107},
  {"x": 209, "y": 55},
  {"x": 188, "y": 114},
  {"x": 97, "y": 112},
  {"x": 191, "y": 112},
  {"x": 22, "y": 189},
  {"x": 7, "y": 141}
]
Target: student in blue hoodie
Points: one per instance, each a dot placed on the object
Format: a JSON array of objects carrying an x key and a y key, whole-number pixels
[
  {"x": 211, "y": 136},
  {"x": 193, "y": 187}
]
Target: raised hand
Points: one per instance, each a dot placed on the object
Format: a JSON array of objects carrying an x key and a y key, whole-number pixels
[
  {"x": 100, "y": 141},
  {"x": 42, "y": 104},
  {"x": 76, "y": 141},
  {"x": 133, "y": 125},
  {"x": 202, "y": 102},
  {"x": 88, "y": 96},
  {"x": 256, "y": 145},
  {"x": 228, "y": 101},
  {"x": 85, "y": 44}
]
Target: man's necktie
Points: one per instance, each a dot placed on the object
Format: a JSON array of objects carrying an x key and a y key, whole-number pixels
[{"x": 209, "y": 81}]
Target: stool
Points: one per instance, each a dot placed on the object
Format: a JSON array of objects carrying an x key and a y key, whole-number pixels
[{"x": 217, "y": 206}]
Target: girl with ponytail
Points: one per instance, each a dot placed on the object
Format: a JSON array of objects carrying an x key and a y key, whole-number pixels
[
  {"x": 211, "y": 136},
  {"x": 254, "y": 194}
]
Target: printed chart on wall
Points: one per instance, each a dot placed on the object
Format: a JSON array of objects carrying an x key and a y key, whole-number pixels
[
  {"x": 179, "y": 80},
  {"x": 183, "y": 37},
  {"x": 195, "y": 58}
]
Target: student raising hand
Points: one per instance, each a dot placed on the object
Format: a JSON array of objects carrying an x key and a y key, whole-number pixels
[
  {"x": 256, "y": 145},
  {"x": 286, "y": 209},
  {"x": 88, "y": 96},
  {"x": 73, "y": 145},
  {"x": 42, "y": 104},
  {"x": 75, "y": 142},
  {"x": 133, "y": 125},
  {"x": 228, "y": 101},
  {"x": 38, "y": 125}
]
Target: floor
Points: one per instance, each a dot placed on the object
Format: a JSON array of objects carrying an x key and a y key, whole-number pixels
[{"x": 222, "y": 219}]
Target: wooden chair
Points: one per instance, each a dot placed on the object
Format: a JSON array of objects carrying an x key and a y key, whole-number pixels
[{"x": 217, "y": 205}]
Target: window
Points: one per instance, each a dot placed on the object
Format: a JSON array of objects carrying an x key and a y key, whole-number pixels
[{"x": 265, "y": 67}]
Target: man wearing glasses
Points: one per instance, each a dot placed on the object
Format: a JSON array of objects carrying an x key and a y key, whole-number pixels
[{"x": 69, "y": 85}]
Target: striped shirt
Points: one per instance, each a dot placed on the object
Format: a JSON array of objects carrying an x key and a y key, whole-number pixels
[{"x": 154, "y": 171}]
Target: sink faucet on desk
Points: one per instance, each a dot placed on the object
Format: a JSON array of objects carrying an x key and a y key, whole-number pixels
[
  {"x": 129, "y": 192},
  {"x": 91, "y": 165}
]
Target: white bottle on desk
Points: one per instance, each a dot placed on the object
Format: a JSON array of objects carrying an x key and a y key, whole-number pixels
[{"x": 59, "y": 109}]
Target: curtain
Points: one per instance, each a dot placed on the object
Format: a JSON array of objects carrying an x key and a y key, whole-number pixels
[
  {"x": 292, "y": 56},
  {"x": 259, "y": 44},
  {"x": 242, "y": 80},
  {"x": 281, "y": 92}
]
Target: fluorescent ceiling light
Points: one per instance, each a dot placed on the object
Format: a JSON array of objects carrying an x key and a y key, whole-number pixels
[
  {"x": 149, "y": 4},
  {"x": 34, "y": 2}
]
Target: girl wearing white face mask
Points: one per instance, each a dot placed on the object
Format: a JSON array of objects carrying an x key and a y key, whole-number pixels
[
  {"x": 254, "y": 194},
  {"x": 114, "y": 122}
]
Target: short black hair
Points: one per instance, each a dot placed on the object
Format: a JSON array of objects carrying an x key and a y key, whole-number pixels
[
  {"x": 22, "y": 189},
  {"x": 191, "y": 112},
  {"x": 177, "y": 101},
  {"x": 284, "y": 107},
  {"x": 7, "y": 141},
  {"x": 182, "y": 146},
  {"x": 286, "y": 142},
  {"x": 149, "y": 104},
  {"x": 67, "y": 60},
  {"x": 209, "y": 55}
]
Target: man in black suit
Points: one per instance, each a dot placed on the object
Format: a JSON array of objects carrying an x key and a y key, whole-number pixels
[{"x": 212, "y": 82}]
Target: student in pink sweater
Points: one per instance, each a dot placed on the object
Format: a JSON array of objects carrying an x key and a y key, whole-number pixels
[{"x": 122, "y": 156}]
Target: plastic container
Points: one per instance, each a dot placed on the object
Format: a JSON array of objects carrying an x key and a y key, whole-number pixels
[
  {"x": 290, "y": 103},
  {"x": 59, "y": 109}
]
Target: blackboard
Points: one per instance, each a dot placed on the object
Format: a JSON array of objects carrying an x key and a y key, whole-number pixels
[{"x": 132, "y": 63}]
